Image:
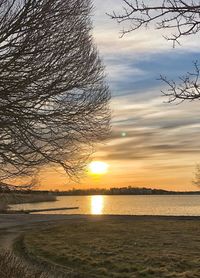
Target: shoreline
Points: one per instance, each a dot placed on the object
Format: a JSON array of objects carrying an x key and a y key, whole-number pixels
[{"x": 9, "y": 199}]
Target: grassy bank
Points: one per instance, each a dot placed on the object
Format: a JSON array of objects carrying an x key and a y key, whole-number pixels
[
  {"x": 7, "y": 199},
  {"x": 121, "y": 247}
]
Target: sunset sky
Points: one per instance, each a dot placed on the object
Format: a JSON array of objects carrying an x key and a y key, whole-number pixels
[{"x": 161, "y": 146}]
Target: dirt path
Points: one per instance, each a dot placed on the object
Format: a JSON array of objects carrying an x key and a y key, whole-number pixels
[{"x": 12, "y": 225}]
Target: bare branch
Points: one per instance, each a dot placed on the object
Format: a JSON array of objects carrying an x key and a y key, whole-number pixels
[
  {"x": 181, "y": 17},
  {"x": 53, "y": 97},
  {"x": 196, "y": 180},
  {"x": 187, "y": 89}
]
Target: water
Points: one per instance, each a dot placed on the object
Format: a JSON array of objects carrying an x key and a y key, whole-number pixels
[{"x": 187, "y": 205}]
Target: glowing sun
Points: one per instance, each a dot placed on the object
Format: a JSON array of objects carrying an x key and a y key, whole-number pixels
[{"x": 98, "y": 168}]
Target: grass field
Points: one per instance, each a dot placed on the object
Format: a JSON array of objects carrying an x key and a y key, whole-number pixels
[{"x": 121, "y": 247}]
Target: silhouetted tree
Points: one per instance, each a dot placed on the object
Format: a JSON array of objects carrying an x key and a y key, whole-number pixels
[
  {"x": 196, "y": 180},
  {"x": 182, "y": 18},
  {"x": 53, "y": 98}
]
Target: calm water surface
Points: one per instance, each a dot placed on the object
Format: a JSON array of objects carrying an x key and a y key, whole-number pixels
[{"x": 123, "y": 205}]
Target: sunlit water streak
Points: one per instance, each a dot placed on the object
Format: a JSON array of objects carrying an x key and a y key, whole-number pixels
[
  {"x": 124, "y": 205},
  {"x": 97, "y": 203}
]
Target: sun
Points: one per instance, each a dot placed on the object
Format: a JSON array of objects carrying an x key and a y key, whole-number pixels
[{"x": 98, "y": 168}]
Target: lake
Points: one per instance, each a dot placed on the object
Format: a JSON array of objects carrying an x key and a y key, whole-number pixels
[{"x": 186, "y": 205}]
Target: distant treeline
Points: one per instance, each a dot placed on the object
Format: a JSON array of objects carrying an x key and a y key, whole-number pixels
[
  {"x": 122, "y": 191},
  {"x": 97, "y": 191}
]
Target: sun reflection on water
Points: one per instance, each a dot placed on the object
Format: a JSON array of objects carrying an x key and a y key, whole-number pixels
[{"x": 97, "y": 204}]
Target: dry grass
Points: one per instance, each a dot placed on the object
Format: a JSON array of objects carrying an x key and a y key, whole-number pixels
[
  {"x": 121, "y": 248},
  {"x": 12, "y": 267}
]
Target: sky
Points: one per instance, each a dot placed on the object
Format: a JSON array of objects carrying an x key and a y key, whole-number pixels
[{"x": 161, "y": 147}]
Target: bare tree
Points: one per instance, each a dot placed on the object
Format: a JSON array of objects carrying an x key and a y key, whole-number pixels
[
  {"x": 53, "y": 96},
  {"x": 196, "y": 180},
  {"x": 182, "y": 18}
]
